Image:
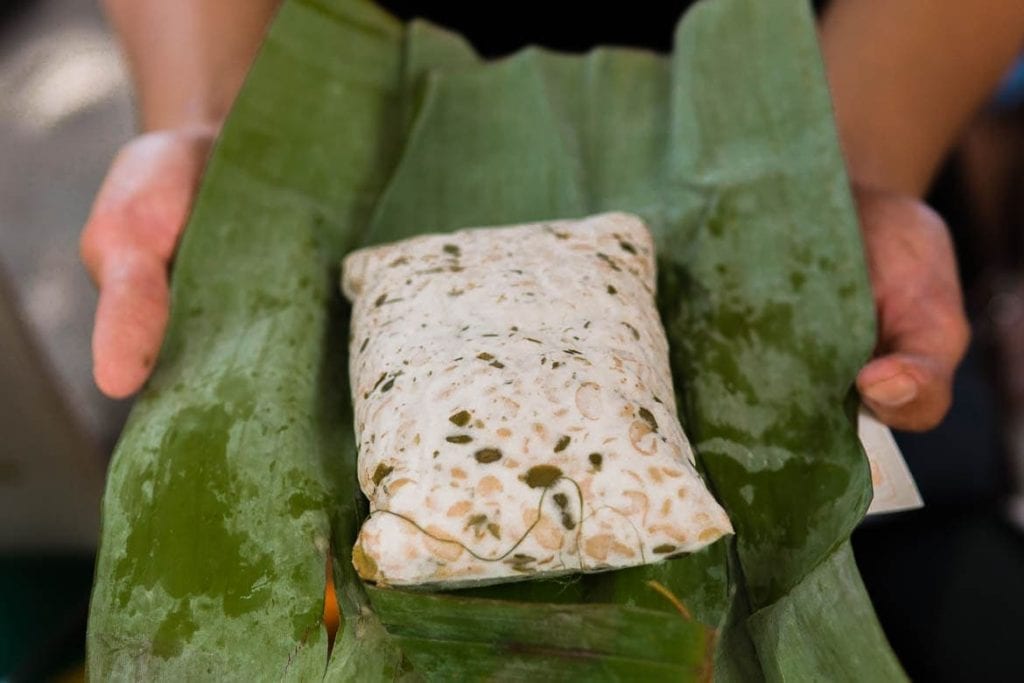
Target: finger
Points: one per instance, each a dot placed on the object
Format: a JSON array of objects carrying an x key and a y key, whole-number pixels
[
  {"x": 923, "y": 332},
  {"x": 127, "y": 244},
  {"x": 907, "y": 391},
  {"x": 143, "y": 203},
  {"x": 130, "y": 321},
  {"x": 910, "y": 384}
]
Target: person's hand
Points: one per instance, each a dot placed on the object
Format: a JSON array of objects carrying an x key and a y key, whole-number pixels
[
  {"x": 922, "y": 329},
  {"x": 127, "y": 246}
]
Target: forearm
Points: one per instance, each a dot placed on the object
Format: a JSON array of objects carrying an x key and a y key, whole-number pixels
[
  {"x": 907, "y": 75},
  {"x": 188, "y": 58}
]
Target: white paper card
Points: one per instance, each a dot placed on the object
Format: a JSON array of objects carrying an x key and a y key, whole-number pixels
[{"x": 893, "y": 484}]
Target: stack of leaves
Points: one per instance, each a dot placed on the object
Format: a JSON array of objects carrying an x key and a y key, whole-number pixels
[{"x": 235, "y": 476}]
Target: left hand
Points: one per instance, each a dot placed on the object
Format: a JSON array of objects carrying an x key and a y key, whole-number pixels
[
  {"x": 922, "y": 329},
  {"x": 128, "y": 243}
]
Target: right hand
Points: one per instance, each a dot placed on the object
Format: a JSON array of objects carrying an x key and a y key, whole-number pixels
[{"x": 127, "y": 246}]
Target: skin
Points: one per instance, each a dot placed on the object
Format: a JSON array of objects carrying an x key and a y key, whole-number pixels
[
  {"x": 906, "y": 78},
  {"x": 128, "y": 244},
  {"x": 901, "y": 98},
  {"x": 140, "y": 211},
  {"x": 922, "y": 330}
]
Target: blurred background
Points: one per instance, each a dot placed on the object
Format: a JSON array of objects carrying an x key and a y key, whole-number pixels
[
  {"x": 64, "y": 110},
  {"x": 948, "y": 581}
]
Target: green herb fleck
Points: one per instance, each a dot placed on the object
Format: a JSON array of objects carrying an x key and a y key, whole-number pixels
[
  {"x": 567, "y": 521},
  {"x": 627, "y": 247},
  {"x": 475, "y": 520},
  {"x": 497, "y": 364},
  {"x": 636, "y": 334},
  {"x": 572, "y": 352},
  {"x": 610, "y": 261},
  {"x": 557, "y": 233},
  {"x": 664, "y": 548},
  {"x": 380, "y": 379},
  {"x": 555, "y": 365},
  {"x": 387, "y": 385},
  {"x": 381, "y": 472},
  {"x": 520, "y": 561},
  {"x": 495, "y": 530},
  {"x": 486, "y": 456},
  {"x": 459, "y": 438},
  {"x": 542, "y": 476},
  {"x": 363, "y": 346},
  {"x": 562, "y": 444},
  {"x": 485, "y": 356},
  {"x": 612, "y": 290},
  {"x": 561, "y": 500},
  {"x": 648, "y": 418},
  {"x": 596, "y": 459},
  {"x": 451, "y": 249},
  {"x": 461, "y": 418},
  {"x": 531, "y": 339},
  {"x": 381, "y": 299}
]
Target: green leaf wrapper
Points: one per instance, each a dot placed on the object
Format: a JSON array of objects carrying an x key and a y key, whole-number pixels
[{"x": 235, "y": 476}]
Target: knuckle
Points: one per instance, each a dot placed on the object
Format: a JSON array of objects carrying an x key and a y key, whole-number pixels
[
  {"x": 136, "y": 221},
  {"x": 134, "y": 209}
]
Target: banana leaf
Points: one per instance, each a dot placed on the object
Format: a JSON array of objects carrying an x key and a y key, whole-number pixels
[{"x": 235, "y": 479}]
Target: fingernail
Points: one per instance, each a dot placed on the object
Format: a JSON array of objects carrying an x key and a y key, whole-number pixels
[{"x": 894, "y": 392}]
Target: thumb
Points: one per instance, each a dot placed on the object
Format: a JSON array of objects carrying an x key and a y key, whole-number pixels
[
  {"x": 923, "y": 332},
  {"x": 130, "y": 321},
  {"x": 907, "y": 391},
  {"x": 127, "y": 245},
  {"x": 910, "y": 384}
]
